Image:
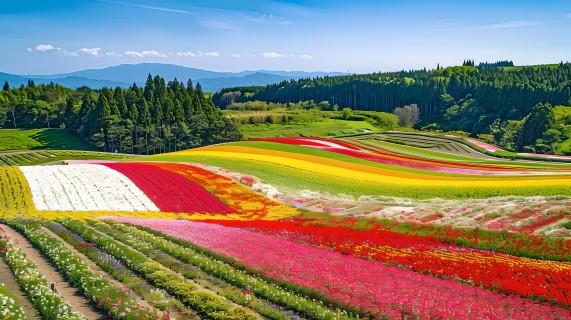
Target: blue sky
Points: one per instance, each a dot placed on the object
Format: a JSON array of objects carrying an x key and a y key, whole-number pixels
[{"x": 41, "y": 37}]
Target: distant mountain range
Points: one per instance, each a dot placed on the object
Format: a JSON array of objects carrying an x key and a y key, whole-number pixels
[{"x": 126, "y": 74}]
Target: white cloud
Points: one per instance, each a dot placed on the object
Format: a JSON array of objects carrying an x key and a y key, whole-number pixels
[
  {"x": 91, "y": 51},
  {"x": 29, "y": 50},
  {"x": 305, "y": 56},
  {"x": 44, "y": 47},
  {"x": 67, "y": 53},
  {"x": 208, "y": 54},
  {"x": 236, "y": 55},
  {"x": 113, "y": 54},
  {"x": 186, "y": 54},
  {"x": 146, "y": 53},
  {"x": 272, "y": 55},
  {"x": 509, "y": 24}
]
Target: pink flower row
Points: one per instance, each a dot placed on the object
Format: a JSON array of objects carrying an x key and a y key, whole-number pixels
[{"x": 355, "y": 281}]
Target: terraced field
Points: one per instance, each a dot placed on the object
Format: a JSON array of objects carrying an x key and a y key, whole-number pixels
[{"x": 33, "y": 158}]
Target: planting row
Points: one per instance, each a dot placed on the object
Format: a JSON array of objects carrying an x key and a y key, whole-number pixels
[
  {"x": 170, "y": 191},
  {"x": 95, "y": 288},
  {"x": 9, "y": 310},
  {"x": 124, "y": 187},
  {"x": 48, "y": 303},
  {"x": 187, "y": 253},
  {"x": 394, "y": 159},
  {"x": 353, "y": 281},
  {"x": 193, "y": 295},
  {"x": 160, "y": 300},
  {"x": 84, "y": 188},
  {"x": 526, "y": 277}
]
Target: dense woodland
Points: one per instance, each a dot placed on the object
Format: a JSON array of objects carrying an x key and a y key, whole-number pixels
[
  {"x": 464, "y": 97},
  {"x": 159, "y": 117}
]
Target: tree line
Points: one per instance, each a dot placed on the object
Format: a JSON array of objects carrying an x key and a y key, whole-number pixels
[
  {"x": 160, "y": 117},
  {"x": 464, "y": 98}
]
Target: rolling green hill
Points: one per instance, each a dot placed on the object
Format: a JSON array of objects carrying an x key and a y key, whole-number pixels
[{"x": 40, "y": 139}]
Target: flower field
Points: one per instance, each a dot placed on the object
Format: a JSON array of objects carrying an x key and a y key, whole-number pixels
[
  {"x": 288, "y": 228},
  {"x": 84, "y": 188},
  {"x": 353, "y": 281}
]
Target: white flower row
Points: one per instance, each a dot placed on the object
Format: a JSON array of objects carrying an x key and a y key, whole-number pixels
[
  {"x": 9, "y": 310},
  {"x": 48, "y": 303},
  {"x": 84, "y": 187}
]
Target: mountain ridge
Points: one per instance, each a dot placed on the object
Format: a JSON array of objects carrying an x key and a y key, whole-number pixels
[{"x": 125, "y": 75}]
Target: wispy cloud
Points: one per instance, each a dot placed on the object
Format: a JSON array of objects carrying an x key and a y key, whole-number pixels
[
  {"x": 272, "y": 55},
  {"x": 258, "y": 17},
  {"x": 48, "y": 48},
  {"x": 214, "y": 24},
  {"x": 509, "y": 25},
  {"x": 91, "y": 51},
  {"x": 305, "y": 56},
  {"x": 208, "y": 54},
  {"x": 144, "y": 54},
  {"x": 199, "y": 54},
  {"x": 236, "y": 55},
  {"x": 44, "y": 47},
  {"x": 186, "y": 54},
  {"x": 136, "y": 5}
]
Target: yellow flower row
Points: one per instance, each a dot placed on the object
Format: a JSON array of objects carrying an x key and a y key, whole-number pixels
[{"x": 341, "y": 169}]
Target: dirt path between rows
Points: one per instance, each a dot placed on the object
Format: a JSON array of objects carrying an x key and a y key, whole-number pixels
[
  {"x": 69, "y": 293},
  {"x": 96, "y": 268},
  {"x": 21, "y": 299}
]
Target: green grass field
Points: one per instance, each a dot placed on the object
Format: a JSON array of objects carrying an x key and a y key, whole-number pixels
[
  {"x": 32, "y": 158},
  {"x": 40, "y": 139},
  {"x": 327, "y": 127}
]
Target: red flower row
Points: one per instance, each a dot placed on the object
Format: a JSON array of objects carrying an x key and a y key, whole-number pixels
[{"x": 169, "y": 191}]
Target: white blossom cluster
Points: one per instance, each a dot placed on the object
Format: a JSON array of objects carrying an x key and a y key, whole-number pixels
[
  {"x": 84, "y": 187},
  {"x": 9, "y": 310}
]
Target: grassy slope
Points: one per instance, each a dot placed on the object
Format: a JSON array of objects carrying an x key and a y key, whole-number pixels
[
  {"x": 36, "y": 139},
  {"x": 328, "y": 127},
  {"x": 33, "y": 158}
]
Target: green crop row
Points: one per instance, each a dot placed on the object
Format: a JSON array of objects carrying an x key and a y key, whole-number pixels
[
  {"x": 188, "y": 253},
  {"x": 206, "y": 303}
]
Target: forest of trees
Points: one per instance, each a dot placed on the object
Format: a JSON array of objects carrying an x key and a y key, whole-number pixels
[
  {"x": 160, "y": 117},
  {"x": 455, "y": 98}
]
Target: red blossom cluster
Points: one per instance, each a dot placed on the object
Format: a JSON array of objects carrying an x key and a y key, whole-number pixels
[{"x": 169, "y": 191}]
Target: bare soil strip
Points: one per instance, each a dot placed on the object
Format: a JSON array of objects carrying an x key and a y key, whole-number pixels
[{"x": 69, "y": 293}]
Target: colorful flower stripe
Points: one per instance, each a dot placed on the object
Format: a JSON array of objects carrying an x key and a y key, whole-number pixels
[
  {"x": 405, "y": 161},
  {"x": 354, "y": 281},
  {"x": 84, "y": 187},
  {"x": 344, "y": 169},
  {"x": 522, "y": 276},
  {"x": 169, "y": 191},
  {"x": 247, "y": 203},
  {"x": 483, "y": 145},
  {"x": 15, "y": 194}
]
